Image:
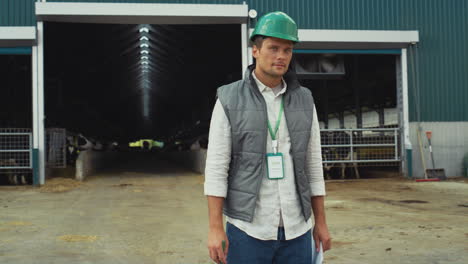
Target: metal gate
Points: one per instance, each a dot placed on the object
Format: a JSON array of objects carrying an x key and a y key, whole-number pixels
[
  {"x": 364, "y": 147},
  {"x": 15, "y": 149},
  {"x": 56, "y": 142}
]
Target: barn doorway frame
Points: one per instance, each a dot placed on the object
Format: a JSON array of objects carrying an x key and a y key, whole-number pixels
[
  {"x": 21, "y": 41},
  {"x": 122, "y": 13}
]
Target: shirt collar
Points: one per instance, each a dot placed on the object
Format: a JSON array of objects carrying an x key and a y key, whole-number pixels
[{"x": 262, "y": 86}]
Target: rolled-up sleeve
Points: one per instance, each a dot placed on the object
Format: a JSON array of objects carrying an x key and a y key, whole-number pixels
[
  {"x": 219, "y": 153},
  {"x": 314, "y": 167}
]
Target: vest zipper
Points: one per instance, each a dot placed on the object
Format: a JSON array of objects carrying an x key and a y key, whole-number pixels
[{"x": 256, "y": 91}]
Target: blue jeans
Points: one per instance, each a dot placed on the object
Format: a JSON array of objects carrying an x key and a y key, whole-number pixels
[{"x": 244, "y": 249}]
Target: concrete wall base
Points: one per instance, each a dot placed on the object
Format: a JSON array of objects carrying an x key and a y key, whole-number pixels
[
  {"x": 194, "y": 160},
  {"x": 449, "y": 145},
  {"x": 89, "y": 161}
]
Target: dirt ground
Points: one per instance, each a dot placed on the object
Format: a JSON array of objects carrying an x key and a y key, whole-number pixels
[{"x": 154, "y": 212}]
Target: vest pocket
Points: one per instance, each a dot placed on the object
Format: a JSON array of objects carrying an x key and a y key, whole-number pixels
[{"x": 240, "y": 204}]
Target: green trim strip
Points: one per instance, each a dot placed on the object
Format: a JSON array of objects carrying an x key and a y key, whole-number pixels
[
  {"x": 409, "y": 159},
  {"x": 16, "y": 51},
  {"x": 35, "y": 163}
]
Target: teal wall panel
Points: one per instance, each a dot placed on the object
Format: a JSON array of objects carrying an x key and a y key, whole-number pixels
[
  {"x": 16, "y": 51},
  {"x": 442, "y": 52},
  {"x": 17, "y": 13}
]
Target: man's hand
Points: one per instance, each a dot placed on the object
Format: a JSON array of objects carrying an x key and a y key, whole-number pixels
[
  {"x": 320, "y": 234},
  {"x": 216, "y": 236}
]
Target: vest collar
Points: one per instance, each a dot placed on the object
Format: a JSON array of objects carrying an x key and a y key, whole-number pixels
[{"x": 290, "y": 78}]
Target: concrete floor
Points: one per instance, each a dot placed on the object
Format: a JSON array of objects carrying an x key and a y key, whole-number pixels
[
  {"x": 148, "y": 211},
  {"x": 138, "y": 213}
]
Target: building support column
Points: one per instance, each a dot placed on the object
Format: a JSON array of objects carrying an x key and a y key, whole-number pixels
[
  {"x": 38, "y": 105},
  {"x": 407, "y": 157}
]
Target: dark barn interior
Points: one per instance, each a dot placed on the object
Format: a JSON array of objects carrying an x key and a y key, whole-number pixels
[
  {"x": 127, "y": 82},
  {"x": 16, "y": 91},
  {"x": 365, "y": 82}
]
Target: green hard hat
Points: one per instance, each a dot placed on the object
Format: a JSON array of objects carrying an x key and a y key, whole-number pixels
[{"x": 276, "y": 24}]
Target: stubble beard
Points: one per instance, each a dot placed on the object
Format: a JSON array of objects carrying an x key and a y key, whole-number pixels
[{"x": 274, "y": 74}]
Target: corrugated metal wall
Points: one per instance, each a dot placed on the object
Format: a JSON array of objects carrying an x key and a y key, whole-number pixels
[
  {"x": 449, "y": 144},
  {"x": 442, "y": 56},
  {"x": 17, "y": 13}
]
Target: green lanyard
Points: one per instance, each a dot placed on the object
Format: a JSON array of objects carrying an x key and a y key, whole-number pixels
[{"x": 273, "y": 134}]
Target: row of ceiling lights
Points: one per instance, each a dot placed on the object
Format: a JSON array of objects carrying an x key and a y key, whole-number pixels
[
  {"x": 144, "y": 50},
  {"x": 144, "y": 42}
]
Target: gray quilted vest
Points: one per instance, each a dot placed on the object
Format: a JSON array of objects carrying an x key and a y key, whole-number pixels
[{"x": 245, "y": 109}]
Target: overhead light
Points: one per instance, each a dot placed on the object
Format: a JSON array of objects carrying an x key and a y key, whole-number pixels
[
  {"x": 144, "y": 38},
  {"x": 144, "y": 57},
  {"x": 252, "y": 13},
  {"x": 144, "y": 45},
  {"x": 144, "y": 62},
  {"x": 144, "y": 29},
  {"x": 144, "y": 52}
]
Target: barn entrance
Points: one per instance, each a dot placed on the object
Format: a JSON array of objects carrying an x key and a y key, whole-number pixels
[
  {"x": 356, "y": 99},
  {"x": 141, "y": 81}
]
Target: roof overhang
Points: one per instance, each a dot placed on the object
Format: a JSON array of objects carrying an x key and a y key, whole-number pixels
[
  {"x": 133, "y": 13},
  {"x": 355, "y": 39},
  {"x": 17, "y": 36}
]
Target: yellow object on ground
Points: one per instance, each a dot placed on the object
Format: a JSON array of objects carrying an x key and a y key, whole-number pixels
[{"x": 146, "y": 144}]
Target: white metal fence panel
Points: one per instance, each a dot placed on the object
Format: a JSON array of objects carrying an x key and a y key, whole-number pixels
[
  {"x": 56, "y": 139},
  {"x": 15, "y": 149},
  {"x": 367, "y": 146}
]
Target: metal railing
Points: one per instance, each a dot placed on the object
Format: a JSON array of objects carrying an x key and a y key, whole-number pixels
[
  {"x": 56, "y": 154},
  {"x": 366, "y": 145},
  {"x": 15, "y": 149}
]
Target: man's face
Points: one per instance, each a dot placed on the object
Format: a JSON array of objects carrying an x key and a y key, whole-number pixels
[{"x": 274, "y": 56}]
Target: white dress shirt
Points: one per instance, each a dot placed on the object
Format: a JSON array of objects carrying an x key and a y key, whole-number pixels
[{"x": 278, "y": 202}]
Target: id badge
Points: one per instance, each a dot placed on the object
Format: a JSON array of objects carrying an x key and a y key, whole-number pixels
[{"x": 275, "y": 166}]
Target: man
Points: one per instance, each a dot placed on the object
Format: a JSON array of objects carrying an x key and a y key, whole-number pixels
[{"x": 264, "y": 165}]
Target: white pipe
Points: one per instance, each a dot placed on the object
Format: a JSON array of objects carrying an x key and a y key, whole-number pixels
[
  {"x": 249, "y": 55},
  {"x": 244, "y": 47},
  {"x": 404, "y": 84},
  {"x": 40, "y": 101},
  {"x": 35, "y": 124}
]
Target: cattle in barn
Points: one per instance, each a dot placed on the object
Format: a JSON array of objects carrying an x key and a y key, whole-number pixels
[
  {"x": 84, "y": 143},
  {"x": 98, "y": 146},
  {"x": 75, "y": 144},
  {"x": 72, "y": 150},
  {"x": 334, "y": 155},
  {"x": 327, "y": 154},
  {"x": 13, "y": 176},
  {"x": 203, "y": 141},
  {"x": 114, "y": 146},
  {"x": 195, "y": 145},
  {"x": 333, "y": 152}
]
